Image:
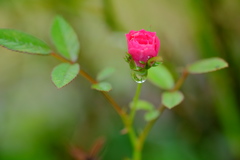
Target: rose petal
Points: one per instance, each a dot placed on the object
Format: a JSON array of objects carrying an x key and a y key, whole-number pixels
[{"x": 142, "y": 45}]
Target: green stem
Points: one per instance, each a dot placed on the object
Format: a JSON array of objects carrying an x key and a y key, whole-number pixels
[
  {"x": 137, "y": 155},
  {"x": 135, "y": 100},
  {"x": 114, "y": 104},
  {"x": 129, "y": 123},
  {"x": 142, "y": 137},
  {"x": 125, "y": 118},
  {"x": 132, "y": 135}
]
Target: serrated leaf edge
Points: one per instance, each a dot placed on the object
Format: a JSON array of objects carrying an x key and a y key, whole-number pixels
[
  {"x": 38, "y": 54},
  {"x": 68, "y": 82},
  {"x": 23, "y": 51}
]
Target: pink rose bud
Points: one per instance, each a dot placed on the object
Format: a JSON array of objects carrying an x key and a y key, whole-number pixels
[{"x": 142, "y": 45}]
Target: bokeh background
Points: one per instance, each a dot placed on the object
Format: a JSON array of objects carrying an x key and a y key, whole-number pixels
[{"x": 40, "y": 122}]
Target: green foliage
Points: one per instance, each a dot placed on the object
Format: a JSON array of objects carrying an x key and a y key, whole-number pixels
[
  {"x": 105, "y": 73},
  {"x": 65, "y": 39},
  {"x": 151, "y": 115},
  {"x": 207, "y": 65},
  {"x": 172, "y": 99},
  {"x": 143, "y": 105},
  {"x": 154, "y": 61},
  {"x": 161, "y": 77},
  {"x": 151, "y": 112},
  {"x": 22, "y": 42},
  {"x": 102, "y": 86},
  {"x": 211, "y": 34},
  {"x": 64, "y": 73}
]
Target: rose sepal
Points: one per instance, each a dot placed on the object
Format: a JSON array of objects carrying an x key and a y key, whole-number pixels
[
  {"x": 139, "y": 74},
  {"x": 154, "y": 61}
]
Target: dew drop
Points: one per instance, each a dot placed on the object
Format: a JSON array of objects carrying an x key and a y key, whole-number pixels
[{"x": 139, "y": 77}]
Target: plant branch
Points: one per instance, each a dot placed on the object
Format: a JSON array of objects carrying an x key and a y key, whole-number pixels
[
  {"x": 131, "y": 133},
  {"x": 146, "y": 130},
  {"x": 117, "y": 108},
  {"x": 59, "y": 57},
  {"x": 180, "y": 80},
  {"x": 142, "y": 137}
]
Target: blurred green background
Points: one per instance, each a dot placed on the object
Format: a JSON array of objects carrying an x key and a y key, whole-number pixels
[{"x": 40, "y": 122}]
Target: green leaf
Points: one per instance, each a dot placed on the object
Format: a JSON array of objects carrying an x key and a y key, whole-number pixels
[
  {"x": 105, "y": 73},
  {"x": 102, "y": 86},
  {"x": 65, "y": 39},
  {"x": 64, "y": 73},
  {"x": 172, "y": 99},
  {"x": 161, "y": 77},
  {"x": 23, "y": 42},
  {"x": 151, "y": 115},
  {"x": 143, "y": 105},
  {"x": 207, "y": 65}
]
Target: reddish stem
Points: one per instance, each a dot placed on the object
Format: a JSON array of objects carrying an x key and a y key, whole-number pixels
[{"x": 93, "y": 81}]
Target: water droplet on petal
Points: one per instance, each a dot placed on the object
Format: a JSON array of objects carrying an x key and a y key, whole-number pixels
[{"x": 139, "y": 77}]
